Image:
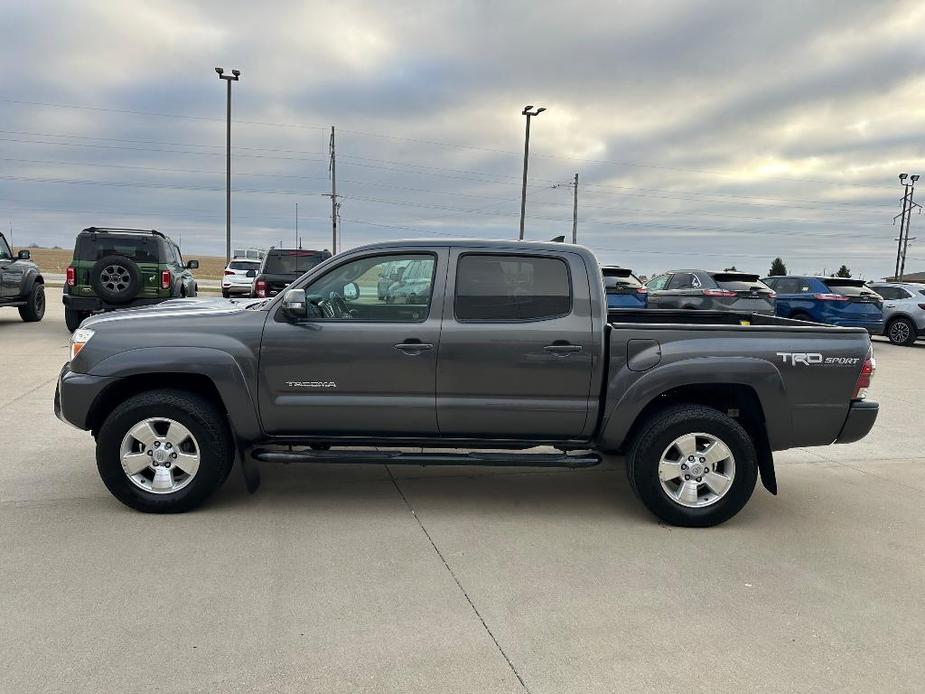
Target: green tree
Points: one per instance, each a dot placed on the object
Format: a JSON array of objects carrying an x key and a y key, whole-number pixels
[
  {"x": 843, "y": 271},
  {"x": 778, "y": 268}
]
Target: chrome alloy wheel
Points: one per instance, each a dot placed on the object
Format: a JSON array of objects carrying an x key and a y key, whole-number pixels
[
  {"x": 160, "y": 455},
  {"x": 899, "y": 332},
  {"x": 696, "y": 470},
  {"x": 115, "y": 278}
]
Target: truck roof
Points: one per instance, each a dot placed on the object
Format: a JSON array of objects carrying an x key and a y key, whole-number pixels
[{"x": 493, "y": 244}]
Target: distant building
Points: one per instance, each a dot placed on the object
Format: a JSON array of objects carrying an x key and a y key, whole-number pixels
[
  {"x": 916, "y": 277},
  {"x": 250, "y": 253}
]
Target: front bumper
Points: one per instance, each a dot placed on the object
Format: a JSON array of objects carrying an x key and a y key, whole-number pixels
[
  {"x": 860, "y": 420},
  {"x": 75, "y": 396}
]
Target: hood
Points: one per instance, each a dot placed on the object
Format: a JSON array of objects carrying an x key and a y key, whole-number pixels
[{"x": 174, "y": 308}]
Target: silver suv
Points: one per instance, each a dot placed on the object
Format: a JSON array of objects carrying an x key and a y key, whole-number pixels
[{"x": 903, "y": 310}]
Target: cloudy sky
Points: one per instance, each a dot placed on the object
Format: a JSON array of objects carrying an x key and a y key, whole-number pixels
[{"x": 705, "y": 134}]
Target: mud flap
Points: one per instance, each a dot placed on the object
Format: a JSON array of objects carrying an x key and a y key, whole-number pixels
[
  {"x": 766, "y": 468},
  {"x": 250, "y": 468}
]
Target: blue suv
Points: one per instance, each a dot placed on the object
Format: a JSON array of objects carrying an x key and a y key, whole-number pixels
[
  {"x": 834, "y": 300},
  {"x": 623, "y": 288}
]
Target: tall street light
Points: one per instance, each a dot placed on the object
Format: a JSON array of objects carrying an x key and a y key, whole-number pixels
[
  {"x": 529, "y": 113},
  {"x": 233, "y": 77}
]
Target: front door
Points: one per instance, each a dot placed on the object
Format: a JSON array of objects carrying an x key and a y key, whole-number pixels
[
  {"x": 517, "y": 347},
  {"x": 364, "y": 361}
]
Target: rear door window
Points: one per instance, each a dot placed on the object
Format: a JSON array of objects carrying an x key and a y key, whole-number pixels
[
  {"x": 511, "y": 288},
  {"x": 682, "y": 280},
  {"x": 788, "y": 285}
]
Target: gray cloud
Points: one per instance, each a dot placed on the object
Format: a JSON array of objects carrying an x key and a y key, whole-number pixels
[{"x": 710, "y": 133}]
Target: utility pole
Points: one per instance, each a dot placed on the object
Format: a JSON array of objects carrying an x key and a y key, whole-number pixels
[
  {"x": 575, "y": 211},
  {"x": 335, "y": 206},
  {"x": 296, "y": 225},
  {"x": 233, "y": 77},
  {"x": 905, "y": 218},
  {"x": 529, "y": 113}
]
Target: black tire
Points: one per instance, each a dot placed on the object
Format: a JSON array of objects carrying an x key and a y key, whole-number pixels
[
  {"x": 226, "y": 294},
  {"x": 800, "y": 315},
  {"x": 657, "y": 434},
  {"x": 197, "y": 414},
  {"x": 116, "y": 279},
  {"x": 34, "y": 309},
  {"x": 73, "y": 319},
  {"x": 900, "y": 331}
]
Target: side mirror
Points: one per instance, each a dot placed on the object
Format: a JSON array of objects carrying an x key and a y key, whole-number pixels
[
  {"x": 351, "y": 291},
  {"x": 295, "y": 305},
  {"x": 251, "y": 273},
  {"x": 193, "y": 265},
  {"x": 24, "y": 255}
]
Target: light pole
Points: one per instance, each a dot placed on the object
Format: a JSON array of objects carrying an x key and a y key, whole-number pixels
[
  {"x": 905, "y": 219},
  {"x": 233, "y": 77},
  {"x": 529, "y": 113}
]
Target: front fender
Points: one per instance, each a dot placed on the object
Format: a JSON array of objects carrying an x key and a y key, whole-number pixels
[
  {"x": 627, "y": 398},
  {"x": 219, "y": 367}
]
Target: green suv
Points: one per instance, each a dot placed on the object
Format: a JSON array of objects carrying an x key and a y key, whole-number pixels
[{"x": 120, "y": 268}]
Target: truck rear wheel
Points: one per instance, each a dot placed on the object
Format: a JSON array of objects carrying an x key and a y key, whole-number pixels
[
  {"x": 164, "y": 451},
  {"x": 693, "y": 466}
]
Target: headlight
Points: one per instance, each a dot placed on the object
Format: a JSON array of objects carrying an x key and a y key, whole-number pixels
[{"x": 80, "y": 338}]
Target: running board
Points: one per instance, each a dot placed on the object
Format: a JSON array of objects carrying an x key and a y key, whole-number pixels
[{"x": 403, "y": 458}]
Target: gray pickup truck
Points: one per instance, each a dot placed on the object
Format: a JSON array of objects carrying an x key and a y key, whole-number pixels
[{"x": 509, "y": 347}]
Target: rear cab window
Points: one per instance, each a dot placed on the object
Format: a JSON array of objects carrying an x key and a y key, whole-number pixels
[
  {"x": 293, "y": 262},
  {"x": 509, "y": 287}
]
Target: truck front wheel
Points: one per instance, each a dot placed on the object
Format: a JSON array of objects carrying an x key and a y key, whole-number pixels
[
  {"x": 164, "y": 451},
  {"x": 693, "y": 466}
]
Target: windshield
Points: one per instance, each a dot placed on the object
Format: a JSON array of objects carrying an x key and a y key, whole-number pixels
[{"x": 291, "y": 262}]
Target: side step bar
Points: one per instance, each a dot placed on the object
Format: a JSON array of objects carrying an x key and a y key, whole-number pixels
[{"x": 402, "y": 458}]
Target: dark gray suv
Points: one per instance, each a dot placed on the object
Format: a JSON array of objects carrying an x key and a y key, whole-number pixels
[{"x": 716, "y": 291}]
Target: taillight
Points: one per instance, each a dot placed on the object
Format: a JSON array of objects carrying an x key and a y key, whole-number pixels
[
  {"x": 921, "y": 305},
  {"x": 718, "y": 292},
  {"x": 71, "y": 275},
  {"x": 229, "y": 272},
  {"x": 772, "y": 295},
  {"x": 867, "y": 373},
  {"x": 830, "y": 297},
  {"x": 165, "y": 279},
  {"x": 641, "y": 290},
  {"x": 260, "y": 288}
]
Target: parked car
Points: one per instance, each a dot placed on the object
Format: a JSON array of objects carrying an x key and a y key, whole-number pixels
[
  {"x": 118, "y": 268},
  {"x": 623, "y": 288},
  {"x": 282, "y": 266},
  {"x": 415, "y": 278},
  {"x": 21, "y": 284},
  {"x": 833, "y": 300},
  {"x": 390, "y": 274},
  {"x": 712, "y": 291},
  {"x": 238, "y": 277},
  {"x": 903, "y": 310},
  {"x": 509, "y": 349}
]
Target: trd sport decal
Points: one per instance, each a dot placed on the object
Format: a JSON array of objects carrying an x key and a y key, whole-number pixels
[{"x": 814, "y": 358}]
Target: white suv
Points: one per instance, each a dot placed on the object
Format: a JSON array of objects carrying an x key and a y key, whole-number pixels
[
  {"x": 239, "y": 277},
  {"x": 903, "y": 310}
]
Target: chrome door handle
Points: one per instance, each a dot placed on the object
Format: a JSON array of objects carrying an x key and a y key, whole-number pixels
[
  {"x": 413, "y": 347},
  {"x": 563, "y": 349}
]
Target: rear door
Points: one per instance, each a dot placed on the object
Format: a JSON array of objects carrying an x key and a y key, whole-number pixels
[
  {"x": 683, "y": 291},
  {"x": 859, "y": 303},
  {"x": 517, "y": 347},
  {"x": 748, "y": 293},
  {"x": 656, "y": 290},
  {"x": 8, "y": 286}
]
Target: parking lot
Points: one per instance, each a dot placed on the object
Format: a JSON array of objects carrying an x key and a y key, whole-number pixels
[{"x": 365, "y": 578}]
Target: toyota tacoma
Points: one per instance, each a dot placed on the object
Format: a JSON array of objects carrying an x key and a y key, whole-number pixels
[{"x": 510, "y": 347}]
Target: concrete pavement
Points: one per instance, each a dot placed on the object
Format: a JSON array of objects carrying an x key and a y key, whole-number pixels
[{"x": 361, "y": 578}]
